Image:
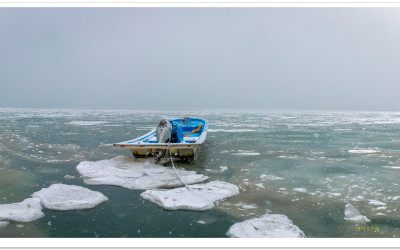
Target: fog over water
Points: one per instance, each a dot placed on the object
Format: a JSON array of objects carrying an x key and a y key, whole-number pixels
[{"x": 139, "y": 58}]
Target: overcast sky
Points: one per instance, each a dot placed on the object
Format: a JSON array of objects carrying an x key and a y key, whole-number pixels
[{"x": 138, "y": 58}]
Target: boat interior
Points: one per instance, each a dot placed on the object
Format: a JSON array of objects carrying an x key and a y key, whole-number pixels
[{"x": 183, "y": 131}]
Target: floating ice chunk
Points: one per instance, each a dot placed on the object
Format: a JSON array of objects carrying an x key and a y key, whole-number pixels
[
  {"x": 353, "y": 214},
  {"x": 25, "y": 211},
  {"x": 86, "y": 123},
  {"x": 223, "y": 168},
  {"x": 207, "y": 219},
  {"x": 260, "y": 185},
  {"x": 392, "y": 167},
  {"x": 269, "y": 177},
  {"x": 200, "y": 196},
  {"x": 244, "y": 206},
  {"x": 376, "y": 203},
  {"x": 201, "y": 222},
  {"x": 396, "y": 198},
  {"x": 380, "y": 208},
  {"x": 246, "y": 153},
  {"x": 267, "y": 226},
  {"x": 69, "y": 177},
  {"x": 301, "y": 190},
  {"x": 69, "y": 197},
  {"x": 293, "y": 157},
  {"x": 4, "y": 223},
  {"x": 128, "y": 173},
  {"x": 363, "y": 151},
  {"x": 318, "y": 192},
  {"x": 333, "y": 194}
]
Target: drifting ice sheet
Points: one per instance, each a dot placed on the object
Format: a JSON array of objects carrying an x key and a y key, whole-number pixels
[
  {"x": 4, "y": 223},
  {"x": 353, "y": 214},
  {"x": 267, "y": 226},
  {"x": 246, "y": 153},
  {"x": 86, "y": 123},
  {"x": 25, "y": 211},
  {"x": 200, "y": 197},
  {"x": 363, "y": 151},
  {"x": 69, "y": 197},
  {"x": 128, "y": 173}
]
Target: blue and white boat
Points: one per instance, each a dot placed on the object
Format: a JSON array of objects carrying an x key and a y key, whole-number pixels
[{"x": 179, "y": 138}]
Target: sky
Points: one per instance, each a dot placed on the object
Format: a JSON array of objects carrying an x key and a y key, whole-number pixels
[{"x": 170, "y": 58}]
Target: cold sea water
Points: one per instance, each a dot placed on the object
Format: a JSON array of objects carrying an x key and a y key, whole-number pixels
[{"x": 308, "y": 165}]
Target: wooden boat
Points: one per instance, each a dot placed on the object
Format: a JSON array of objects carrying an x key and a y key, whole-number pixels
[{"x": 180, "y": 138}]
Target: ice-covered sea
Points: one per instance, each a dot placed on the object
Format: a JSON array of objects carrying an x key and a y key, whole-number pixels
[{"x": 281, "y": 173}]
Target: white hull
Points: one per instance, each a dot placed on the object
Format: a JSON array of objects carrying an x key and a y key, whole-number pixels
[{"x": 147, "y": 145}]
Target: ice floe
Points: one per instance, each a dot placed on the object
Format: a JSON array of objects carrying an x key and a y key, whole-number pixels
[
  {"x": 244, "y": 206},
  {"x": 392, "y": 167},
  {"x": 86, "y": 123},
  {"x": 353, "y": 214},
  {"x": 396, "y": 198},
  {"x": 260, "y": 185},
  {"x": 246, "y": 153},
  {"x": 269, "y": 177},
  {"x": 221, "y": 169},
  {"x": 376, "y": 203},
  {"x": 267, "y": 226},
  {"x": 128, "y": 173},
  {"x": 363, "y": 151},
  {"x": 300, "y": 190},
  {"x": 69, "y": 197},
  {"x": 200, "y": 197},
  {"x": 69, "y": 177},
  {"x": 25, "y": 211},
  {"x": 4, "y": 223}
]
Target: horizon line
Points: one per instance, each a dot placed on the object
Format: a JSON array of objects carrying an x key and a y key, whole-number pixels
[{"x": 214, "y": 108}]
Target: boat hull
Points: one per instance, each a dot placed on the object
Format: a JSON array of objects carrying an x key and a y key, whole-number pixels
[
  {"x": 147, "y": 146},
  {"x": 185, "y": 151}
]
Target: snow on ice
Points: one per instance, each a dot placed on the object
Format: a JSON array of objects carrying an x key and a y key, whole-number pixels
[
  {"x": 132, "y": 174},
  {"x": 267, "y": 226},
  {"x": 200, "y": 197},
  {"x": 25, "y": 211},
  {"x": 300, "y": 190},
  {"x": 69, "y": 197},
  {"x": 363, "y": 151},
  {"x": 246, "y": 153},
  {"x": 353, "y": 214}
]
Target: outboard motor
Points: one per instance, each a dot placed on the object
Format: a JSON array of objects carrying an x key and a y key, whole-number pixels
[{"x": 163, "y": 131}]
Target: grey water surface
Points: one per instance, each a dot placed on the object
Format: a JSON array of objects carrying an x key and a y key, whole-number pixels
[{"x": 306, "y": 165}]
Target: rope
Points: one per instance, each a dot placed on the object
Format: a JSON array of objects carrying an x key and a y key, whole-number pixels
[{"x": 173, "y": 166}]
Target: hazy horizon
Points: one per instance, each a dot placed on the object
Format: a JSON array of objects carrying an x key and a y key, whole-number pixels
[
  {"x": 205, "y": 109},
  {"x": 200, "y": 58}
]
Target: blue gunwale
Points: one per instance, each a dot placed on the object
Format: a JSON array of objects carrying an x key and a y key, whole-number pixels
[{"x": 195, "y": 122}]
